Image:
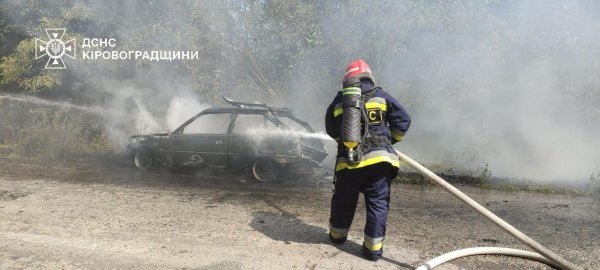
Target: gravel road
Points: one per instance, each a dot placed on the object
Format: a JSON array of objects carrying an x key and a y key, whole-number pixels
[{"x": 102, "y": 214}]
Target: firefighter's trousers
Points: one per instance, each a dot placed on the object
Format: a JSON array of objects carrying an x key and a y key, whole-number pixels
[{"x": 374, "y": 182}]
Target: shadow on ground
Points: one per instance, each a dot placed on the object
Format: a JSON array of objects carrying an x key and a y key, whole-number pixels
[
  {"x": 355, "y": 249},
  {"x": 288, "y": 228}
]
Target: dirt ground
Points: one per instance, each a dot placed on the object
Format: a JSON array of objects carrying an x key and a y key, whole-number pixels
[{"x": 102, "y": 214}]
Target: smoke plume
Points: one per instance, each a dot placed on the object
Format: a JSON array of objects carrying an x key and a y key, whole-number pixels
[{"x": 511, "y": 84}]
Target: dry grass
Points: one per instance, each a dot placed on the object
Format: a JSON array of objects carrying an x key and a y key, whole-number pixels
[{"x": 49, "y": 132}]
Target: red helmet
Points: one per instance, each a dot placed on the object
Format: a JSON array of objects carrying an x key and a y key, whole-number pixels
[{"x": 356, "y": 71}]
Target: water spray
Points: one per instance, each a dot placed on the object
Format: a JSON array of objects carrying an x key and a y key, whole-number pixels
[
  {"x": 44, "y": 102},
  {"x": 289, "y": 132},
  {"x": 543, "y": 254}
]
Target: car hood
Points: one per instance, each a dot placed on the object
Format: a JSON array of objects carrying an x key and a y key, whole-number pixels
[{"x": 160, "y": 134}]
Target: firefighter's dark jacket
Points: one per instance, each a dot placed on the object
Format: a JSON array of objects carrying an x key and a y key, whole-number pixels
[{"x": 387, "y": 119}]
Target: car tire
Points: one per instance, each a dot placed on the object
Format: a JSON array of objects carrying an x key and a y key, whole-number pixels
[
  {"x": 166, "y": 164},
  {"x": 264, "y": 170},
  {"x": 143, "y": 159}
]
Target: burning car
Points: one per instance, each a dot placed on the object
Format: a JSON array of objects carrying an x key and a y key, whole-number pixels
[{"x": 265, "y": 142}]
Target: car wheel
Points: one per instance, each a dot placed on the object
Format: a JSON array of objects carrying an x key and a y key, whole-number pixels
[
  {"x": 143, "y": 159},
  {"x": 265, "y": 170},
  {"x": 166, "y": 164}
]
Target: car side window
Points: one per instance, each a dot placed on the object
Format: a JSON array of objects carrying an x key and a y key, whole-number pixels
[
  {"x": 214, "y": 123},
  {"x": 251, "y": 123},
  {"x": 293, "y": 125}
]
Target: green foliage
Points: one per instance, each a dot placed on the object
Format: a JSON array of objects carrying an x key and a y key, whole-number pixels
[
  {"x": 39, "y": 83},
  {"x": 254, "y": 48},
  {"x": 18, "y": 69}
]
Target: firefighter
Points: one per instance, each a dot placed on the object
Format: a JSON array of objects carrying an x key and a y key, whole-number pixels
[{"x": 366, "y": 162}]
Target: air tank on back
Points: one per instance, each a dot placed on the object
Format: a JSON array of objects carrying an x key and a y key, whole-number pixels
[{"x": 351, "y": 122}]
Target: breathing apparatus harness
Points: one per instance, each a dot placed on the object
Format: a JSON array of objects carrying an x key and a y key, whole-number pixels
[{"x": 356, "y": 135}]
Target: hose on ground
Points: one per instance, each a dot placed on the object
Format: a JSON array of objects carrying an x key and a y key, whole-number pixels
[
  {"x": 557, "y": 260},
  {"x": 485, "y": 251}
]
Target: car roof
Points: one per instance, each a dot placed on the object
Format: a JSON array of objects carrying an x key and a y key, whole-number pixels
[
  {"x": 279, "y": 111},
  {"x": 253, "y": 110}
]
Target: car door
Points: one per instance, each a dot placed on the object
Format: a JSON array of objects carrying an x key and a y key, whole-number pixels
[
  {"x": 254, "y": 136},
  {"x": 202, "y": 142},
  {"x": 250, "y": 137}
]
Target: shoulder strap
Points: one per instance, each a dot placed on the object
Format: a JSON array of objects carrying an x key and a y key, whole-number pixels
[{"x": 369, "y": 94}]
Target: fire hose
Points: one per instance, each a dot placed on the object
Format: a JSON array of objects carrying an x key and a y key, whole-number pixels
[{"x": 543, "y": 254}]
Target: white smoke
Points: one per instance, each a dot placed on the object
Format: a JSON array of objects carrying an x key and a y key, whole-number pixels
[
  {"x": 144, "y": 122},
  {"x": 512, "y": 84},
  {"x": 182, "y": 108}
]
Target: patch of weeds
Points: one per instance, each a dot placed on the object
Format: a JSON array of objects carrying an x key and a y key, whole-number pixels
[
  {"x": 593, "y": 185},
  {"x": 446, "y": 168},
  {"x": 543, "y": 189},
  {"x": 510, "y": 187},
  {"x": 484, "y": 177},
  {"x": 45, "y": 132},
  {"x": 531, "y": 186},
  {"x": 11, "y": 195},
  {"x": 411, "y": 178}
]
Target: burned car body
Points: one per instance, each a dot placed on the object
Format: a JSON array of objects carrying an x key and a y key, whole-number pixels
[{"x": 268, "y": 143}]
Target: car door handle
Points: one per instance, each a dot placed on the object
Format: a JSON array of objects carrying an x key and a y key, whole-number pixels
[{"x": 219, "y": 141}]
